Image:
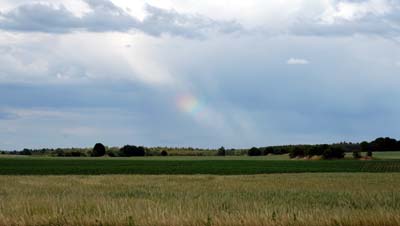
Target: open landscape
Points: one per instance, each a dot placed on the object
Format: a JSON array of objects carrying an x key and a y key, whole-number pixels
[
  {"x": 199, "y": 191},
  {"x": 199, "y": 113}
]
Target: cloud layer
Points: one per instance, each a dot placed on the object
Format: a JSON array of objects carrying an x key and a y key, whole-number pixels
[{"x": 104, "y": 16}]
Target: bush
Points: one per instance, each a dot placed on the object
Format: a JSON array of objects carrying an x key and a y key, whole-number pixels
[
  {"x": 77, "y": 154},
  {"x": 369, "y": 153},
  {"x": 98, "y": 150},
  {"x": 356, "y": 154},
  {"x": 132, "y": 150},
  {"x": 316, "y": 150},
  {"x": 221, "y": 151},
  {"x": 25, "y": 152},
  {"x": 254, "y": 152},
  {"x": 297, "y": 152},
  {"x": 333, "y": 153},
  {"x": 268, "y": 150},
  {"x": 164, "y": 153},
  {"x": 111, "y": 153}
]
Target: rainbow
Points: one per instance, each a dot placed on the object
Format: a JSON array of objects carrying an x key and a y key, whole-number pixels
[{"x": 188, "y": 103}]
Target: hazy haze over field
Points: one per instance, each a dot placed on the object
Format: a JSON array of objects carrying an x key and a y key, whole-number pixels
[{"x": 198, "y": 73}]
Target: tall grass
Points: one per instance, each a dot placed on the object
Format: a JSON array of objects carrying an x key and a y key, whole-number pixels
[{"x": 278, "y": 199}]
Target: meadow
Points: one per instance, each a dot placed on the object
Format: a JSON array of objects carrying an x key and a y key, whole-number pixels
[{"x": 202, "y": 200}]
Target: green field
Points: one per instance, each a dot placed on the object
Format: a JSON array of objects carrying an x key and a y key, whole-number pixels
[
  {"x": 96, "y": 166},
  {"x": 317, "y": 199}
]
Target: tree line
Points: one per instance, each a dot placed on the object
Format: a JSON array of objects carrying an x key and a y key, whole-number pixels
[{"x": 327, "y": 151}]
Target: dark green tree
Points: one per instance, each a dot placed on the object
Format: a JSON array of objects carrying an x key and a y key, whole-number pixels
[
  {"x": 364, "y": 146},
  {"x": 297, "y": 151},
  {"x": 26, "y": 152},
  {"x": 333, "y": 153},
  {"x": 221, "y": 151},
  {"x": 356, "y": 154},
  {"x": 254, "y": 152},
  {"x": 132, "y": 150},
  {"x": 268, "y": 150},
  {"x": 99, "y": 150}
]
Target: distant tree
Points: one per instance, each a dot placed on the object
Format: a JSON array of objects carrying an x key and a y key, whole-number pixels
[
  {"x": 221, "y": 151},
  {"x": 26, "y": 152},
  {"x": 164, "y": 153},
  {"x": 76, "y": 154},
  {"x": 369, "y": 153},
  {"x": 384, "y": 144},
  {"x": 268, "y": 150},
  {"x": 141, "y": 151},
  {"x": 297, "y": 151},
  {"x": 333, "y": 152},
  {"x": 111, "y": 153},
  {"x": 356, "y": 154},
  {"x": 99, "y": 150},
  {"x": 132, "y": 150},
  {"x": 364, "y": 146},
  {"x": 3, "y": 152},
  {"x": 254, "y": 152}
]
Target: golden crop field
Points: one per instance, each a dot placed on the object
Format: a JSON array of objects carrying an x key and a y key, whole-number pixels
[{"x": 277, "y": 199}]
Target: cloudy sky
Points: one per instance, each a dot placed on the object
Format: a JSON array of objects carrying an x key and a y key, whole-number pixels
[{"x": 198, "y": 73}]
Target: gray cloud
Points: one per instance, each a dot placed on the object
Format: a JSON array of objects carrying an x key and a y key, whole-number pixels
[
  {"x": 382, "y": 26},
  {"x": 105, "y": 16},
  {"x": 360, "y": 17},
  {"x": 169, "y": 21},
  {"x": 4, "y": 115}
]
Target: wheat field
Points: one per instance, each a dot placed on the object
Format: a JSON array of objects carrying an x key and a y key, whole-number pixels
[{"x": 276, "y": 199}]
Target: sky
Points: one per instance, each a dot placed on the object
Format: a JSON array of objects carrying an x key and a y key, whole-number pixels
[{"x": 200, "y": 73}]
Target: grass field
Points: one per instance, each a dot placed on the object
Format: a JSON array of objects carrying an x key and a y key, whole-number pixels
[
  {"x": 61, "y": 166},
  {"x": 203, "y": 200}
]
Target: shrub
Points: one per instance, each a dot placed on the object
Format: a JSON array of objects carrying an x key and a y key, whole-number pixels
[
  {"x": 221, "y": 151},
  {"x": 111, "y": 153},
  {"x": 356, "y": 154},
  {"x": 316, "y": 150},
  {"x": 369, "y": 153},
  {"x": 25, "y": 152},
  {"x": 268, "y": 150},
  {"x": 333, "y": 152},
  {"x": 77, "y": 154},
  {"x": 132, "y": 150},
  {"x": 254, "y": 152},
  {"x": 297, "y": 152},
  {"x": 98, "y": 150},
  {"x": 164, "y": 153}
]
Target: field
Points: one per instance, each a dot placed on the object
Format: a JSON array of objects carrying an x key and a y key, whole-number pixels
[
  {"x": 274, "y": 199},
  {"x": 97, "y": 166},
  {"x": 199, "y": 191}
]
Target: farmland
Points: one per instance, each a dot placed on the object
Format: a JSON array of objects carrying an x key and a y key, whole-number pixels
[
  {"x": 97, "y": 166},
  {"x": 199, "y": 191},
  {"x": 273, "y": 199}
]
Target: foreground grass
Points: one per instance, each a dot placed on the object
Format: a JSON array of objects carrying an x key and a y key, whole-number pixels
[
  {"x": 94, "y": 166},
  {"x": 171, "y": 200}
]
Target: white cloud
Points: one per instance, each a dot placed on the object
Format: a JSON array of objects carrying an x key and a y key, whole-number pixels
[
  {"x": 293, "y": 61},
  {"x": 351, "y": 11}
]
